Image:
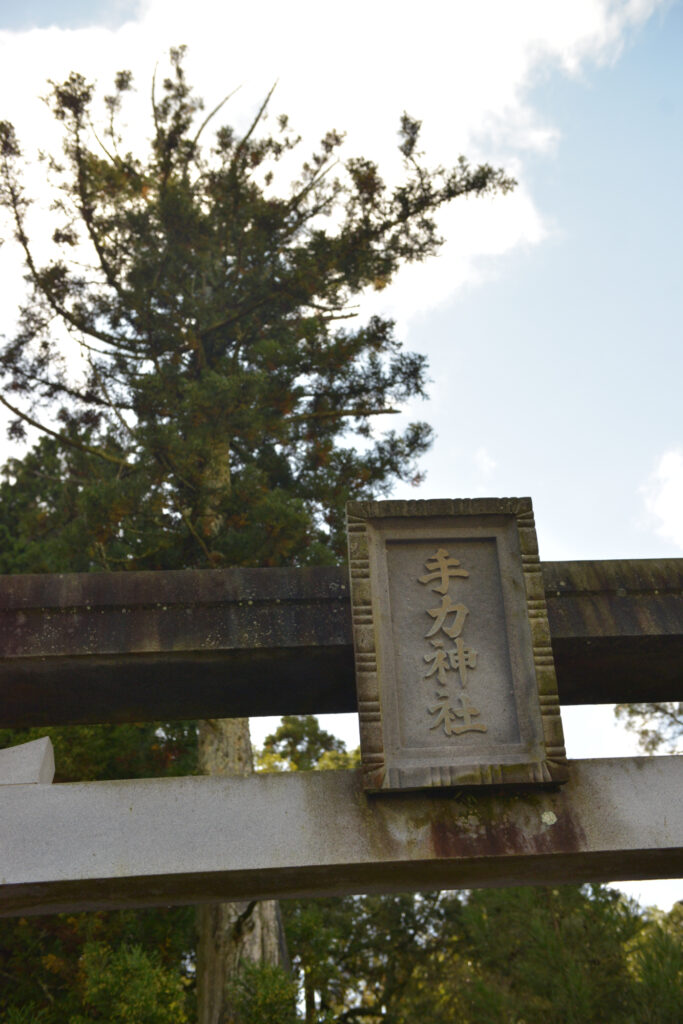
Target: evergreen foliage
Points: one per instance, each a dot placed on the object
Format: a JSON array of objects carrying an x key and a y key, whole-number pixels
[
  {"x": 299, "y": 744},
  {"x": 658, "y": 725},
  {"x": 193, "y": 333},
  {"x": 128, "y": 986},
  {"x": 550, "y": 953},
  {"x": 189, "y": 352},
  {"x": 264, "y": 993},
  {"x": 657, "y": 968}
]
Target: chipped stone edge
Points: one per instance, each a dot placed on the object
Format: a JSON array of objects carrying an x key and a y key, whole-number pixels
[
  {"x": 29, "y": 763},
  {"x": 552, "y": 769}
]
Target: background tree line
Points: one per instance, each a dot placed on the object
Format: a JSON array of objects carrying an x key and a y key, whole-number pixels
[{"x": 189, "y": 358}]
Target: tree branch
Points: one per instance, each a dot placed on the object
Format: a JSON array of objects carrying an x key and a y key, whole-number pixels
[
  {"x": 332, "y": 413},
  {"x": 188, "y": 523},
  {"x": 252, "y": 128},
  {"x": 62, "y": 438},
  {"x": 213, "y": 113},
  {"x": 87, "y": 215}
]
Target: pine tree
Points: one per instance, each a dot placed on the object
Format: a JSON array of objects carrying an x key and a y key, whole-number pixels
[
  {"x": 221, "y": 372},
  {"x": 189, "y": 350}
]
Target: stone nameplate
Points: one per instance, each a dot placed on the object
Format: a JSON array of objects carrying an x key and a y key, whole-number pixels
[{"x": 454, "y": 667}]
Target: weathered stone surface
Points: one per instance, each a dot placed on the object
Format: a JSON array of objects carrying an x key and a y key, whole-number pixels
[
  {"x": 180, "y": 644},
  {"x": 457, "y": 683},
  {"x": 159, "y": 841},
  {"x": 227, "y": 643},
  {"x": 32, "y": 762},
  {"x": 617, "y": 629}
]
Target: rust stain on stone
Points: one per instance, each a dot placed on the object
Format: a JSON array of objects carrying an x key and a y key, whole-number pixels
[{"x": 489, "y": 835}]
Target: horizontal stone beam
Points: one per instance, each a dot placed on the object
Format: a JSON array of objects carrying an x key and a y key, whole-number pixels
[
  {"x": 85, "y": 846},
  {"x": 617, "y": 629},
  {"x": 224, "y": 643}
]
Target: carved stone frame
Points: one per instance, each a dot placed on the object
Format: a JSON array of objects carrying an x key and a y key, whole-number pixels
[{"x": 384, "y": 767}]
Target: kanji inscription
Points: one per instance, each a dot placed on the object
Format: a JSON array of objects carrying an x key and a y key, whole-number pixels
[
  {"x": 453, "y": 708},
  {"x": 454, "y": 671}
]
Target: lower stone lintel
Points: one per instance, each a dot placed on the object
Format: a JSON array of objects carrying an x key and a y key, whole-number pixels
[{"x": 84, "y": 846}]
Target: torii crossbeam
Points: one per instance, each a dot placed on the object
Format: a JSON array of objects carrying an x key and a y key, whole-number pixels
[{"x": 146, "y": 646}]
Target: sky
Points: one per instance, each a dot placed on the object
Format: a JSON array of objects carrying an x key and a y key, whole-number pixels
[{"x": 552, "y": 316}]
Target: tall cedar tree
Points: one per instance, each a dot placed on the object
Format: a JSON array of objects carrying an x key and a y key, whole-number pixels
[
  {"x": 222, "y": 373},
  {"x": 189, "y": 348}
]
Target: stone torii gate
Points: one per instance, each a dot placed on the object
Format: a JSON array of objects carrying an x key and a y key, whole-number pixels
[{"x": 222, "y": 643}]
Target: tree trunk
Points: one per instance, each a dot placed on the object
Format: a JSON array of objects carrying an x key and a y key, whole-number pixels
[{"x": 231, "y": 932}]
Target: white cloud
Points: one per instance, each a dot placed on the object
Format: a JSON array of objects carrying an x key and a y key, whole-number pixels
[
  {"x": 465, "y": 69},
  {"x": 663, "y": 495},
  {"x": 484, "y": 463}
]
